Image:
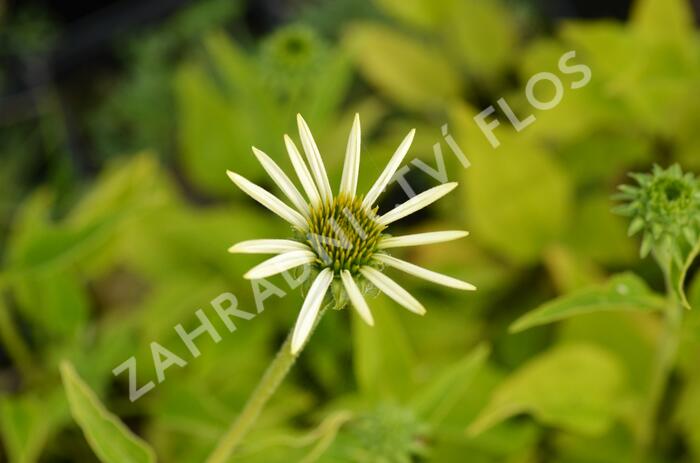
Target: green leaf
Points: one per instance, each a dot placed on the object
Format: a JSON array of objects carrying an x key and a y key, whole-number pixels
[
  {"x": 588, "y": 157},
  {"x": 418, "y": 13},
  {"x": 624, "y": 292},
  {"x": 241, "y": 78},
  {"x": 482, "y": 34},
  {"x": 382, "y": 358},
  {"x": 37, "y": 245},
  {"x": 570, "y": 271},
  {"x": 635, "y": 350},
  {"x": 605, "y": 48},
  {"x": 573, "y": 387},
  {"x": 436, "y": 399},
  {"x": 660, "y": 83},
  {"x": 328, "y": 93},
  {"x": 213, "y": 135},
  {"x": 505, "y": 192},
  {"x": 26, "y": 424},
  {"x": 124, "y": 188},
  {"x": 111, "y": 343},
  {"x": 109, "y": 438},
  {"x": 13, "y": 342},
  {"x": 53, "y": 247},
  {"x": 254, "y": 109},
  {"x": 658, "y": 20},
  {"x": 33, "y": 214},
  {"x": 56, "y": 301},
  {"x": 411, "y": 73},
  {"x": 613, "y": 447}
]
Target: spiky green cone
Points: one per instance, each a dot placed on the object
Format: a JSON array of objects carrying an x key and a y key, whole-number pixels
[{"x": 664, "y": 207}]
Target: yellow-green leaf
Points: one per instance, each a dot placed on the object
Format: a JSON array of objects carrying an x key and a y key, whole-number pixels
[
  {"x": 26, "y": 423},
  {"x": 518, "y": 199},
  {"x": 56, "y": 301},
  {"x": 663, "y": 19},
  {"x": 382, "y": 355},
  {"x": 109, "y": 438},
  {"x": 418, "y": 13},
  {"x": 482, "y": 34},
  {"x": 573, "y": 387},
  {"x": 436, "y": 399},
  {"x": 213, "y": 135},
  {"x": 413, "y": 74},
  {"x": 624, "y": 292}
]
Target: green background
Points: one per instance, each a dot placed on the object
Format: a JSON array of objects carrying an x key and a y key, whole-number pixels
[{"x": 101, "y": 257}]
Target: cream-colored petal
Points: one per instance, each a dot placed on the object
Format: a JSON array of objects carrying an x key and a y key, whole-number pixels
[
  {"x": 267, "y": 247},
  {"x": 279, "y": 264},
  {"x": 282, "y": 181},
  {"x": 424, "y": 273},
  {"x": 356, "y": 298},
  {"x": 392, "y": 289},
  {"x": 351, "y": 168},
  {"x": 389, "y": 171},
  {"x": 268, "y": 200},
  {"x": 314, "y": 158},
  {"x": 310, "y": 308},
  {"x": 307, "y": 182},
  {"x": 416, "y": 203},
  {"x": 419, "y": 239}
]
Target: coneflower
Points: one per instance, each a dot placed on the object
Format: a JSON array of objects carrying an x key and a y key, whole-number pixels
[
  {"x": 341, "y": 236},
  {"x": 345, "y": 241}
]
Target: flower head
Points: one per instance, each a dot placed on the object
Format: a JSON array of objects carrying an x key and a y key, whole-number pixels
[
  {"x": 341, "y": 236},
  {"x": 293, "y": 49},
  {"x": 665, "y": 207},
  {"x": 290, "y": 59}
]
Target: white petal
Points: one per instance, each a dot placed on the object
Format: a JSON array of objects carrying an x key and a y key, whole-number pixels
[
  {"x": 268, "y": 200},
  {"x": 426, "y": 274},
  {"x": 314, "y": 158},
  {"x": 307, "y": 182},
  {"x": 309, "y": 311},
  {"x": 282, "y": 181},
  {"x": 267, "y": 247},
  {"x": 392, "y": 289},
  {"x": 351, "y": 168},
  {"x": 389, "y": 171},
  {"x": 279, "y": 264},
  {"x": 416, "y": 203},
  {"x": 419, "y": 239},
  {"x": 355, "y": 295}
]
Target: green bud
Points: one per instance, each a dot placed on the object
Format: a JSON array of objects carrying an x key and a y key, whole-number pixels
[{"x": 665, "y": 207}]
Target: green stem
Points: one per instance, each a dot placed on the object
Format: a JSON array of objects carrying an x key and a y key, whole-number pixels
[
  {"x": 662, "y": 369},
  {"x": 14, "y": 344},
  {"x": 271, "y": 380}
]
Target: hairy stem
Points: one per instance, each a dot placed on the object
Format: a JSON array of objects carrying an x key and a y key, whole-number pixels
[
  {"x": 663, "y": 366},
  {"x": 271, "y": 380}
]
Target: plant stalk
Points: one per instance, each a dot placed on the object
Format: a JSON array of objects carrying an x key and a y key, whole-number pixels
[
  {"x": 663, "y": 367},
  {"x": 270, "y": 381}
]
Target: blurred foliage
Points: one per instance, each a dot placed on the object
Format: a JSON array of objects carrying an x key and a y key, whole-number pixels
[
  {"x": 97, "y": 267},
  {"x": 138, "y": 107}
]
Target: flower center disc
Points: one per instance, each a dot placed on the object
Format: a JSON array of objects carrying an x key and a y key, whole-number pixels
[
  {"x": 343, "y": 233},
  {"x": 671, "y": 197}
]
